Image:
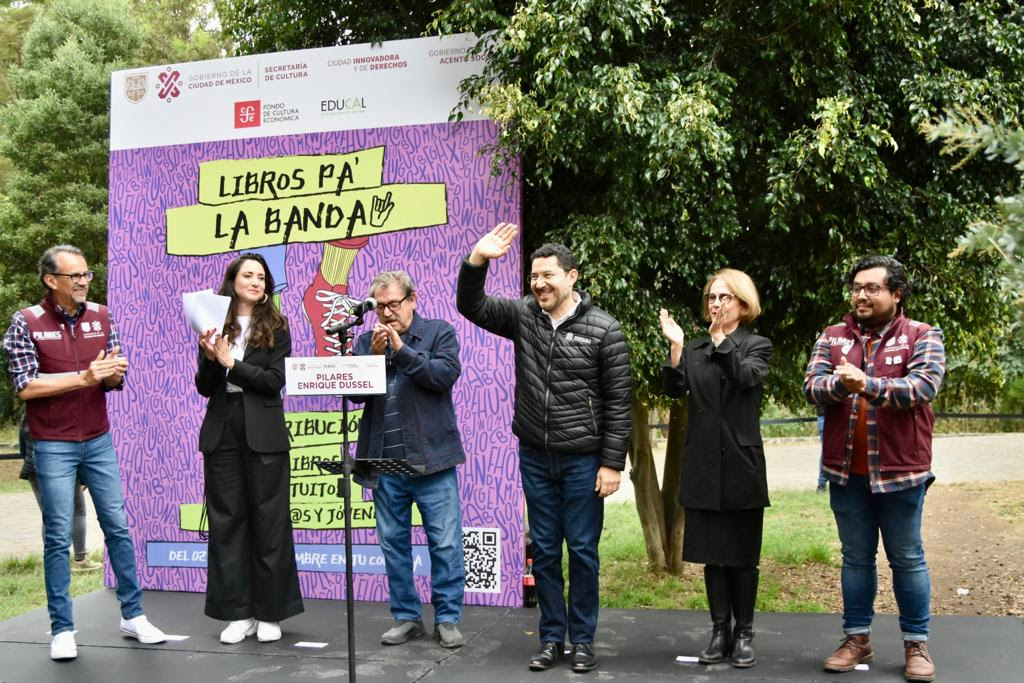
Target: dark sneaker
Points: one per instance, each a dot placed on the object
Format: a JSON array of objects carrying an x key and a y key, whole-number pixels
[
  {"x": 448, "y": 635},
  {"x": 402, "y": 631},
  {"x": 583, "y": 657},
  {"x": 546, "y": 656}
]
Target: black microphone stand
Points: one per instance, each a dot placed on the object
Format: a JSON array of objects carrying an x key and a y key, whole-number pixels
[{"x": 344, "y": 468}]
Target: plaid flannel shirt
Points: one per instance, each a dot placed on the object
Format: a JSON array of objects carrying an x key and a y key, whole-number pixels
[
  {"x": 22, "y": 360},
  {"x": 925, "y": 370}
]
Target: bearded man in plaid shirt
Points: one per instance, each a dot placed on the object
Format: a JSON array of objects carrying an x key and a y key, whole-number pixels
[{"x": 875, "y": 374}]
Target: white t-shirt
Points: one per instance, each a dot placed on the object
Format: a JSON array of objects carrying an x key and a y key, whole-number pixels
[{"x": 238, "y": 346}]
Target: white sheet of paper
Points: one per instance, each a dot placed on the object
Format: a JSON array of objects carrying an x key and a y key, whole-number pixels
[
  {"x": 684, "y": 658},
  {"x": 205, "y": 310},
  {"x": 307, "y": 643}
]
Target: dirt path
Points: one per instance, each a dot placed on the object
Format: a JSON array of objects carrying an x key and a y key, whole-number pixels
[{"x": 974, "y": 542}]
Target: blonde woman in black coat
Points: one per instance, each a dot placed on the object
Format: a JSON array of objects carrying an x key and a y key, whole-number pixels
[
  {"x": 723, "y": 488},
  {"x": 252, "y": 579}
]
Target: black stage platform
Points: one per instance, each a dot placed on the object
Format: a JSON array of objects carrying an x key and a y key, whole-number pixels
[{"x": 634, "y": 645}]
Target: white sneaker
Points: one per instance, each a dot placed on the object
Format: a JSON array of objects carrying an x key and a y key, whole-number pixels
[
  {"x": 268, "y": 631},
  {"x": 237, "y": 631},
  {"x": 141, "y": 630},
  {"x": 63, "y": 646}
]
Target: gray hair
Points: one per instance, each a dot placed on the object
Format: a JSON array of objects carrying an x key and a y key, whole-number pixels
[
  {"x": 388, "y": 276},
  {"x": 48, "y": 261}
]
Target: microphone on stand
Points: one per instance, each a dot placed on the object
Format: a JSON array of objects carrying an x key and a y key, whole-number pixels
[{"x": 359, "y": 310}]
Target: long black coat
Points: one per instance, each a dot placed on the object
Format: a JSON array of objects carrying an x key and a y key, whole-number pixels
[
  {"x": 723, "y": 457},
  {"x": 261, "y": 376}
]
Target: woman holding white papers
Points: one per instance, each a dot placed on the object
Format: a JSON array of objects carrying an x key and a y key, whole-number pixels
[{"x": 252, "y": 580}]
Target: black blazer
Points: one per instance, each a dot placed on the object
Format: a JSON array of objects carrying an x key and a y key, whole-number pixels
[
  {"x": 261, "y": 376},
  {"x": 723, "y": 464}
]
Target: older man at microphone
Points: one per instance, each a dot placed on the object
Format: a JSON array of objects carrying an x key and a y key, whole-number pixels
[{"x": 414, "y": 422}]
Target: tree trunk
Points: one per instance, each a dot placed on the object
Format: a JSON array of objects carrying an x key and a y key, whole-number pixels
[
  {"x": 673, "y": 511},
  {"x": 648, "y": 499}
]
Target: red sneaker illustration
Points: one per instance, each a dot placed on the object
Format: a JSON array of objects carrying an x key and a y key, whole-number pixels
[{"x": 326, "y": 305}]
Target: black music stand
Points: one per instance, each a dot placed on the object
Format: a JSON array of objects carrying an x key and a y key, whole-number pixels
[{"x": 343, "y": 467}]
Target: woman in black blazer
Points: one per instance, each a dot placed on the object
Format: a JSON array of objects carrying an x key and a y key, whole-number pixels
[
  {"x": 723, "y": 486},
  {"x": 252, "y": 580}
]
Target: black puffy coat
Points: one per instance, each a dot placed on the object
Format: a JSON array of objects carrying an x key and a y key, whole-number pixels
[{"x": 573, "y": 384}]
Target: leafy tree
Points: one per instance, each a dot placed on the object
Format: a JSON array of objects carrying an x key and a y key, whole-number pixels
[
  {"x": 663, "y": 140},
  {"x": 178, "y": 31},
  {"x": 56, "y": 135},
  {"x": 971, "y": 134},
  {"x": 275, "y": 25},
  {"x": 15, "y": 18}
]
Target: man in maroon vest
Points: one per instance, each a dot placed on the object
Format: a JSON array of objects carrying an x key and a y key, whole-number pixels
[
  {"x": 875, "y": 374},
  {"x": 63, "y": 356}
]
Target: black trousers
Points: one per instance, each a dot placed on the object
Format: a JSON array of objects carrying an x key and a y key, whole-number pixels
[{"x": 251, "y": 571}]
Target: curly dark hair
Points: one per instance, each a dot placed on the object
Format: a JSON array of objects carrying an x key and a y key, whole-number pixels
[
  {"x": 266, "y": 319},
  {"x": 895, "y": 274}
]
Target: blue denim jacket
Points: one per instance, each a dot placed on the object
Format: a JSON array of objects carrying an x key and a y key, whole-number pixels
[{"x": 427, "y": 368}]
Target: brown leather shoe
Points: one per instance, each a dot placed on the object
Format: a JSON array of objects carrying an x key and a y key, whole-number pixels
[
  {"x": 919, "y": 663},
  {"x": 852, "y": 651}
]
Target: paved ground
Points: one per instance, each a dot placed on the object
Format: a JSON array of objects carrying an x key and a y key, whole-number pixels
[{"x": 792, "y": 464}]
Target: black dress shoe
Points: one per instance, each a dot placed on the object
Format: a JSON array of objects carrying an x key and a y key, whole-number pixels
[
  {"x": 546, "y": 656},
  {"x": 583, "y": 657}
]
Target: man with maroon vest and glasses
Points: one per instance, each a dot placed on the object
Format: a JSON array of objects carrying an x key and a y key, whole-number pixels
[
  {"x": 63, "y": 356},
  {"x": 875, "y": 374}
]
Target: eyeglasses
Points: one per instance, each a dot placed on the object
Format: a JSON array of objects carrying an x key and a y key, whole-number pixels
[
  {"x": 77, "y": 277},
  {"x": 870, "y": 289},
  {"x": 392, "y": 306},
  {"x": 721, "y": 298}
]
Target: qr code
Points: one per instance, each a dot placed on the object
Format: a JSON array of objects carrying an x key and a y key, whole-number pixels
[{"x": 482, "y": 550}]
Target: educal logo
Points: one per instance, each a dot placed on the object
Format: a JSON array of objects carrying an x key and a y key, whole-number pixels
[
  {"x": 247, "y": 114},
  {"x": 344, "y": 105},
  {"x": 169, "y": 84}
]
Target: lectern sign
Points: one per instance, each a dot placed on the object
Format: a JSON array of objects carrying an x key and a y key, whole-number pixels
[{"x": 328, "y": 375}]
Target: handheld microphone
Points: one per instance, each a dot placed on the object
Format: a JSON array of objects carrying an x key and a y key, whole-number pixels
[{"x": 359, "y": 310}]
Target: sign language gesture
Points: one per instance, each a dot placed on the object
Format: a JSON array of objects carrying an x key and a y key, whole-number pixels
[
  {"x": 716, "y": 328},
  {"x": 676, "y": 339},
  {"x": 380, "y": 210},
  {"x": 852, "y": 377},
  {"x": 206, "y": 344},
  {"x": 108, "y": 368},
  {"x": 383, "y": 337},
  {"x": 494, "y": 244},
  {"x": 223, "y": 352}
]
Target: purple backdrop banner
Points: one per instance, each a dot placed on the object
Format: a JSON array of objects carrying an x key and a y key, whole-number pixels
[{"x": 156, "y": 418}]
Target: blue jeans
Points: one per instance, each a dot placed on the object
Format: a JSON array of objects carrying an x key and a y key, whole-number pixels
[
  {"x": 437, "y": 498},
  {"x": 562, "y": 505},
  {"x": 822, "y": 481},
  {"x": 59, "y": 464},
  {"x": 860, "y": 516}
]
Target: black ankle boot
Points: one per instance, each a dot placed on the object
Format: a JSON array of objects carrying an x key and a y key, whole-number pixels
[
  {"x": 743, "y": 590},
  {"x": 743, "y": 655},
  {"x": 716, "y": 583},
  {"x": 720, "y": 647}
]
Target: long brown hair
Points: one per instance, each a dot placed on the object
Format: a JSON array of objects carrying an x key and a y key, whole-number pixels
[{"x": 266, "y": 320}]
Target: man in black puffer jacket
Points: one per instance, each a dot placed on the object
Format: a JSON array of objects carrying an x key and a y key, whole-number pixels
[{"x": 572, "y": 417}]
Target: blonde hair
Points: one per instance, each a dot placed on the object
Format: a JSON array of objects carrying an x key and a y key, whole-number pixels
[{"x": 742, "y": 287}]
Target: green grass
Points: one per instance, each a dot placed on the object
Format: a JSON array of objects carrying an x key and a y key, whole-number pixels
[
  {"x": 22, "y": 589},
  {"x": 798, "y": 532}
]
